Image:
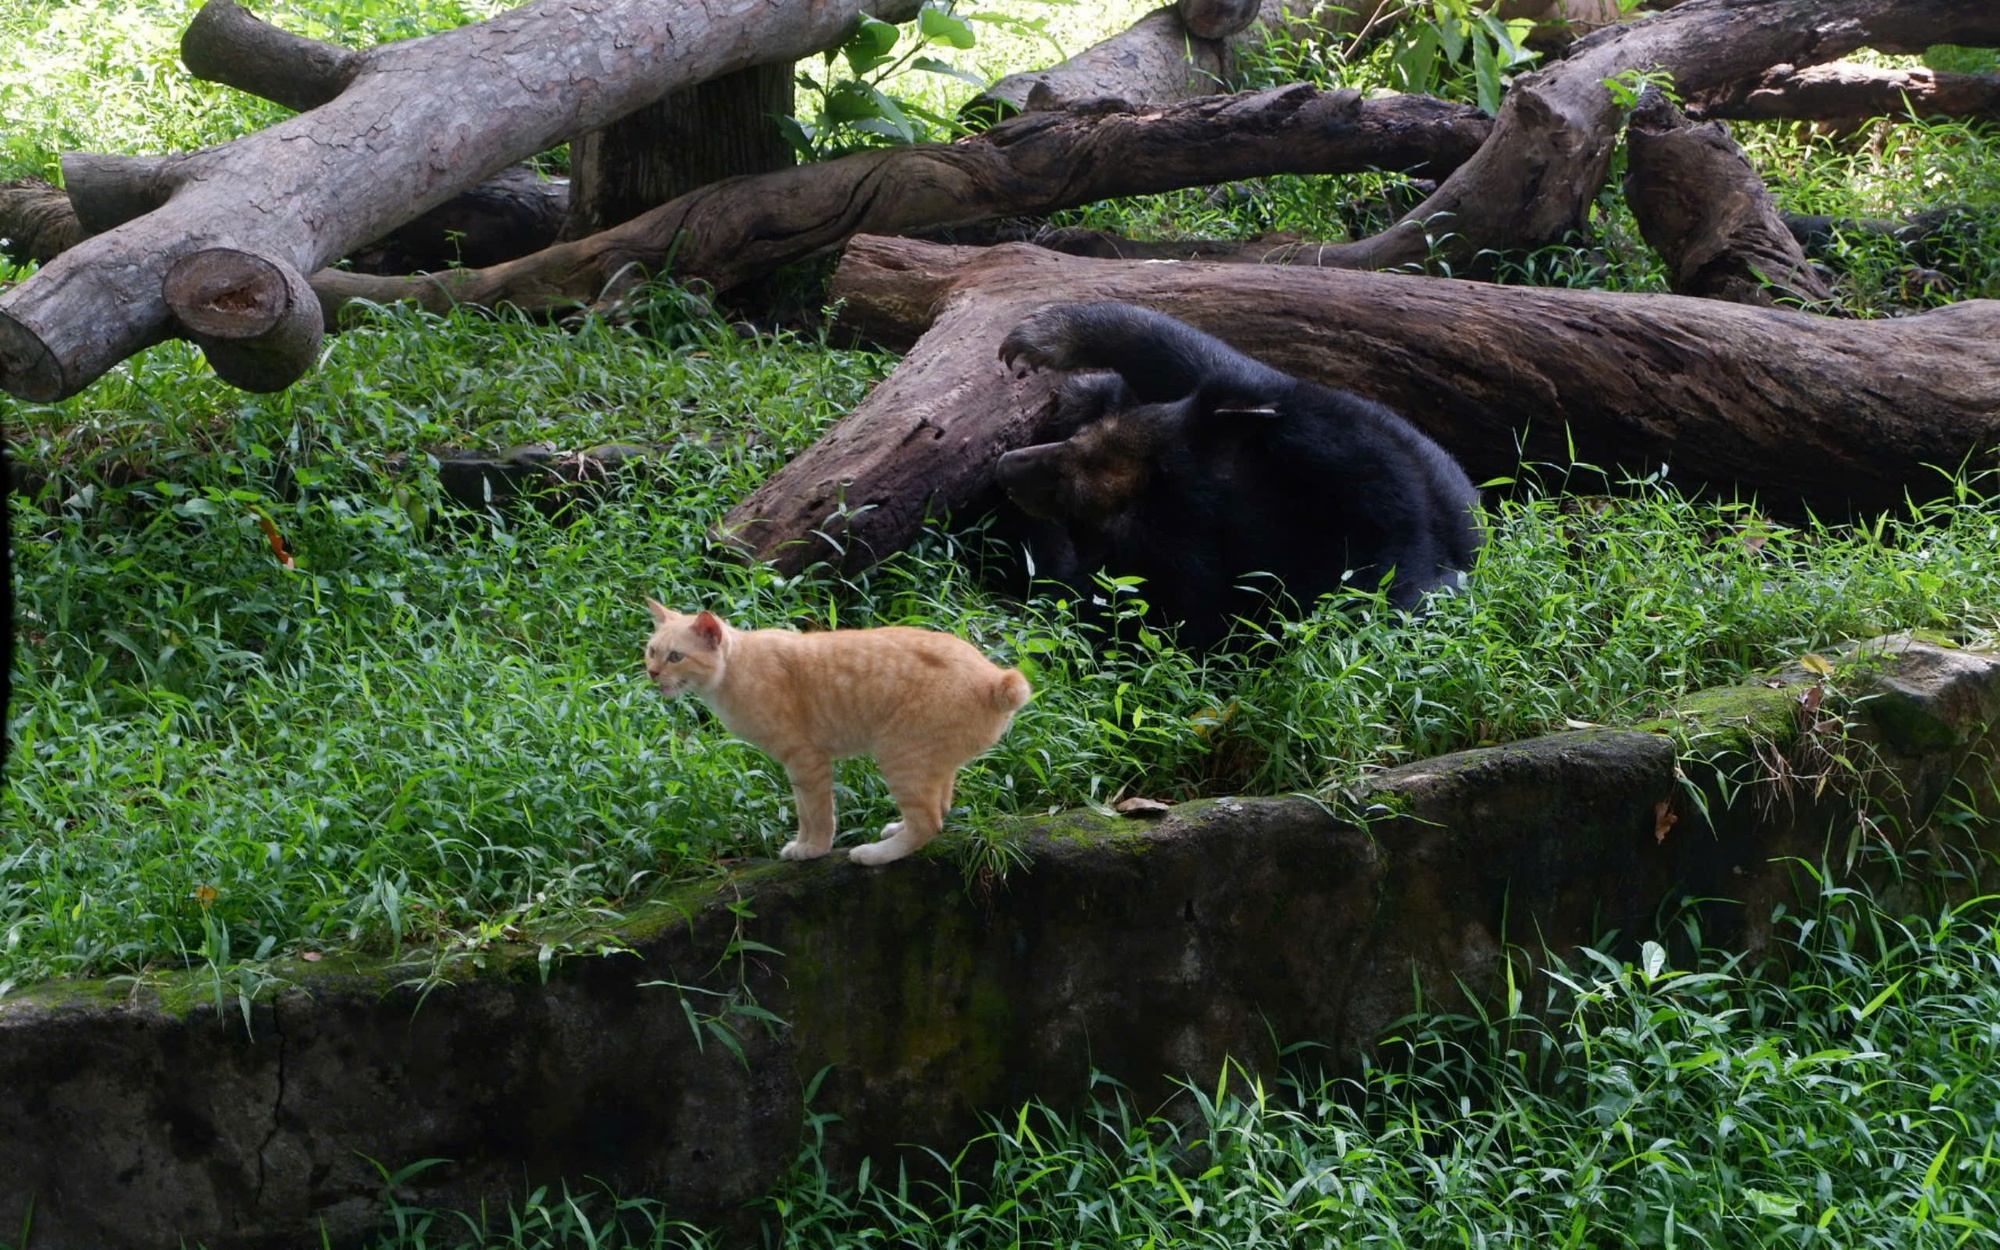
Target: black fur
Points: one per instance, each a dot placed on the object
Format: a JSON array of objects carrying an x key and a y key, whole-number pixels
[{"x": 1209, "y": 474}]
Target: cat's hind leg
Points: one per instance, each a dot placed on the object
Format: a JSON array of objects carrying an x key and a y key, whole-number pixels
[
  {"x": 812, "y": 791},
  {"x": 921, "y": 798}
]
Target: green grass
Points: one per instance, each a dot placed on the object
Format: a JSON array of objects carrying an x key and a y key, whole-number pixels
[{"x": 438, "y": 717}]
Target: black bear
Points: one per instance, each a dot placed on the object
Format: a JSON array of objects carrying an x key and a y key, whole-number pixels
[{"x": 1210, "y": 475}]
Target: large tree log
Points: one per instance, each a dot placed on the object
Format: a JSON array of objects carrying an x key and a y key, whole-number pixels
[
  {"x": 1812, "y": 413},
  {"x": 1709, "y": 215},
  {"x": 1534, "y": 181},
  {"x": 1843, "y": 92},
  {"x": 417, "y": 121},
  {"x": 741, "y": 228}
]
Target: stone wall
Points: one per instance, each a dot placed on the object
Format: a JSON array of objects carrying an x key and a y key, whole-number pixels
[{"x": 1143, "y": 950}]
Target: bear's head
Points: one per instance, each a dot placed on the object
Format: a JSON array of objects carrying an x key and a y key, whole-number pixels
[
  {"x": 1095, "y": 473},
  {"x": 1114, "y": 449}
]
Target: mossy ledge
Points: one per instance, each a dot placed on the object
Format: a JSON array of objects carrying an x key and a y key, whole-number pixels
[{"x": 144, "y": 1115}]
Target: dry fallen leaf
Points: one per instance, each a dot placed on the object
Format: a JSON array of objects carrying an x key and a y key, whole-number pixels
[
  {"x": 1663, "y": 819},
  {"x": 1142, "y": 807}
]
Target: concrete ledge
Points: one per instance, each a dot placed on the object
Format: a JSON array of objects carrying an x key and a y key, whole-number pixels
[{"x": 1141, "y": 950}]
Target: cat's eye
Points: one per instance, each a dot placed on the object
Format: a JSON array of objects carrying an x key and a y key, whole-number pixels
[{"x": 675, "y": 657}]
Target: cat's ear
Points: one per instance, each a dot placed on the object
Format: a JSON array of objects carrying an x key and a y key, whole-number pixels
[
  {"x": 659, "y": 610},
  {"x": 708, "y": 628}
]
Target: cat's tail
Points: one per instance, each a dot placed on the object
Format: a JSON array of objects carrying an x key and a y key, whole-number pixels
[{"x": 1010, "y": 692}]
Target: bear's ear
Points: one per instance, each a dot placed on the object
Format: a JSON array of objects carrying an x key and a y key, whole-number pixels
[{"x": 708, "y": 628}]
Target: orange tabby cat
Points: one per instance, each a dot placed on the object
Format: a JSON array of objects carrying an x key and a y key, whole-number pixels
[{"x": 921, "y": 702}]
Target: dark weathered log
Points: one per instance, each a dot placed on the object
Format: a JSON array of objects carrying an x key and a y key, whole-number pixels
[
  {"x": 1809, "y": 412},
  {"x": 693, "y": 137},
  {"x": 731, "y": 231},
  {"x": 514, "y": 213},
  {"x": 1534, "y": 181},
  {"x": 36, "y": 221},
  {"x": 1708, "y": 214},
  {"x": 1929, "y": 238},
  {"x": 1843, "y": 92},
  {"x": 420, "y": 120},
  {"x": 226, "y": 43}
]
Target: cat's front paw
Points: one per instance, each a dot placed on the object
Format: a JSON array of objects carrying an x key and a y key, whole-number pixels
[
  {"x": 886, "y": 851},
  {"x": 800, "y": 849}
]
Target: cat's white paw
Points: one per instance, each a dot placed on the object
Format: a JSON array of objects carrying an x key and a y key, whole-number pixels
[
  {"x": 882, "y": 852},
  {"x": 796, "y": 849}
]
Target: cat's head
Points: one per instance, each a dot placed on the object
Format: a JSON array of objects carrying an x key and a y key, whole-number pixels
[{"x": 686, "y": 652}]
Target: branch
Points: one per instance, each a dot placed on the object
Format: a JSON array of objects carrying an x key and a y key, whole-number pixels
[{"x": 731, "y": 231}]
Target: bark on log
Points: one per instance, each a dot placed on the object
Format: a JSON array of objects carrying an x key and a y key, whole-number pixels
[
  {"x": 1155, "y": 61},
  {"x": 731, "y": 231},
  {"x": 1534, "y": 181},
  {"x": 1843, "y": 92},
  {"x": 420, "y": 120},
  {"x": 1707, "y": 212},
  {"x": 1810, "y": 412}
]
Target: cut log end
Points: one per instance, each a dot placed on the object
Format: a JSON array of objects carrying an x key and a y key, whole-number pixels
[
  {"x": 229, "y": 294},
  {"x": 256, "y": 319}
]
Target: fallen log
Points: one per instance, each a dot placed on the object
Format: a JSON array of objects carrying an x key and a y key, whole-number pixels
[
  {"x": 741, "y": 228},
  {"x": 415, "y": 122},
  {"x": 1534, "y": 181},
  {"x": 1811, "y": 413},
  {"x": 1843, "y": 92},
  {"x": 1707, "y": 212}
]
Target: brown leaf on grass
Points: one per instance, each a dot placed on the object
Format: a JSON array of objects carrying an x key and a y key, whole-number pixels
[{"x": 1663, "y": 819}]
